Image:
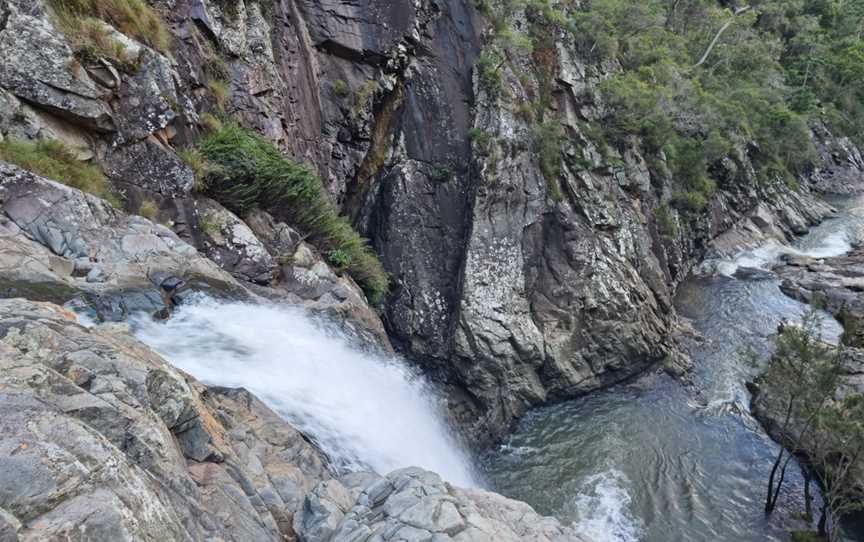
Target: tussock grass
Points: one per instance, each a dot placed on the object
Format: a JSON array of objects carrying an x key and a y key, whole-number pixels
[
  {"x": 90, "y": 40},
  {"x": 54, "y": 160},
  {"x": 210, "y": 122},
  {"x": 148, "y": 209},
  {"x": 135, "y": 18},
  {"x": 244, "y": 172},
  {"x": 196, "y": 161}
]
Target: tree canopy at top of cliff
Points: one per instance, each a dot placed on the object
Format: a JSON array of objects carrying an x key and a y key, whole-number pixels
[{"x": 698, "y": 78}]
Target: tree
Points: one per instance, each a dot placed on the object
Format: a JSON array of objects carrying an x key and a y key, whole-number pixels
[
  {"x": 836, "y": 456},
  {"x": 803, "y": 374},
  {"x": 822, "y": 422}
]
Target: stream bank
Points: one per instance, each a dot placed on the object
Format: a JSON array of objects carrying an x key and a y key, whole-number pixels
[{"x": 654, "y": 460}]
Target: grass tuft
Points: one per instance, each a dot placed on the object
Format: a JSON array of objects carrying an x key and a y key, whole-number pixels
[
  {"x": 54, "y": 160},
  {"x": 196, "y": 161},
  {"x": 148, "y": 209},
  {"x": 210, "y": 122},
  {"x": 245, "y": 171},
  {"x": 221, "y": 92},
  {"x": 135, "y": 18}
]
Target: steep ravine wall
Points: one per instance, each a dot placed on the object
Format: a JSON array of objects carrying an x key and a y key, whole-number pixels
[{"x": 509, "y": 287}]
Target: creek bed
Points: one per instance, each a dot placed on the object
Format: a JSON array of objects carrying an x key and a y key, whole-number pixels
[{"x": 657, "y": 461}]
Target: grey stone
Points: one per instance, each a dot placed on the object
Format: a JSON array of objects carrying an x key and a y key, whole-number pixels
[
  {"x": 439, "y": 512},
  {"x": 38, "y": 67},
  {"x": 92, "y": 438}
]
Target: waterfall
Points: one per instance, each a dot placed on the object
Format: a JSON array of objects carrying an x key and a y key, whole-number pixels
[{"x": 364, "y": 410}]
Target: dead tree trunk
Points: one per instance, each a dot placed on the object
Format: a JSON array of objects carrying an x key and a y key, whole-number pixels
[{"x": 738, "y": 11}]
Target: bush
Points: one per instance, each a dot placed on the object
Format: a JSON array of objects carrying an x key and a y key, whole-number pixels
[
  {"x": 135, "y": 18},
  {"x": 666, "y": 223},
  {"x": 488, "y": 68},
  {"x": 339, "y": 259},
  {"x": 245, "y": 171},
  {"x": 362, "y": 95},
  {"x": 548, "y": 140},
  {"x": 690, "y": 200},
  {"x": 54, "y": 160},
  {"x": 341, "y": 88}
]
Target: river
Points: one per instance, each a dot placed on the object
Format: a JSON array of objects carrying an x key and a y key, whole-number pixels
[
  {"x": 653, "y": 460},
  {"x": 658, "y": 461}
]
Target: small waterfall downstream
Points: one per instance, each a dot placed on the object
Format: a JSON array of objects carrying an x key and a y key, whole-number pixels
[{"x": 365, "y": 411}]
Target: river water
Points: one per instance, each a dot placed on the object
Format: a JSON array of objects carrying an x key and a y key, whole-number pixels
[
  {"x": 653, "y": 460},
  {"x": 659, "y": 461}
]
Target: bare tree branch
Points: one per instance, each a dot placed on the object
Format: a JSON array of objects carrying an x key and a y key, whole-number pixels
[{"x": 738, "y": 12}]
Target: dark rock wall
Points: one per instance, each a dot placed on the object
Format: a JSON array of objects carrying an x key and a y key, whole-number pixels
[{"x": 510, "y": 287}]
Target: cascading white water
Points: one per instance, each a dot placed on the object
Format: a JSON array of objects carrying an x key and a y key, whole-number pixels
[
  {"x": 834, "y": 244},
  {"x": 362, "y": 410},
  {"x": 602, "y": 509}
]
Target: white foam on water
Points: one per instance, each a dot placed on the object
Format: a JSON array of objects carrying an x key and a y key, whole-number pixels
[
  {"x": 603, "y": 507},
  {"x": 766, "y": 256},
  {"x": 363, "y": 410}
]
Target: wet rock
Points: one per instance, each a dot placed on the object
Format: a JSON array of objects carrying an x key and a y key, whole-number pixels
[
  {"x": 58, "y": 235},
  {"x": 835, "y": 284}
]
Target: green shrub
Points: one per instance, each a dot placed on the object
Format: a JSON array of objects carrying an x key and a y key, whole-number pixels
[
  {"x": 689, "y": 200},
  {"x": 341, "y": 88},
  {"x": 362, "y": 95},
  {"x": 488, "y": 66},
  {"x": 54, "y": 160},
  {"x": 246, "y": 172},
  {"x": 209, "y": 225},
  {"x": 338, "y": 259},
  {"x": 135, "y": 18},
  {"x": 666, "y": 224},
  {"x": 440, "y": 174},
  {"x": 482, "y": 139},
  {"x": 548, "y": 141}
]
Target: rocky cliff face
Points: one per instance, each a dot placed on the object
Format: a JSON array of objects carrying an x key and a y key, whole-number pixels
[
  {"x": 513, "y": 282},
  {"x": 512, "y": 286}
]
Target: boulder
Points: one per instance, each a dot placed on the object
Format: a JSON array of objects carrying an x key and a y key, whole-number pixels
[
  {"x": 38, "y": 67},
  {"x": 416, "y": 505},
  {"x": 230, "y": 243},
  {"x": 835, "y": 284},
  {"x": 72, "y": 244},
  {"x": 99, "y": 434}
]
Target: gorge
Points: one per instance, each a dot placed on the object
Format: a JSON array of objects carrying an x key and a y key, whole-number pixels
[{"x": 427, "y": 270}]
